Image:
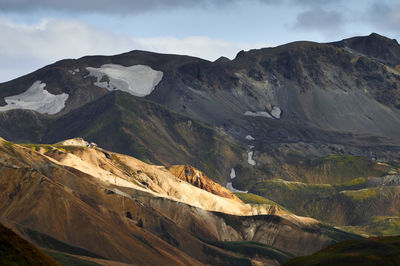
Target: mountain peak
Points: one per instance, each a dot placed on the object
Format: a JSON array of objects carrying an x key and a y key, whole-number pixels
[
  {"x": 74, "y": 142},
  {"x": 375, "y": 46}
]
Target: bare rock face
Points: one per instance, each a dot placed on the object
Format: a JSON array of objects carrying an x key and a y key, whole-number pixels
[{"x": 199, "y": 179}]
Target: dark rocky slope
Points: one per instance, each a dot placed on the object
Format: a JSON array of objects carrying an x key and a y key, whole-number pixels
[{"x": 15, "y": 250}]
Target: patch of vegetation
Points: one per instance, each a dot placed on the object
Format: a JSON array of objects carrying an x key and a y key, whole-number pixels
[
  {"x": 357, "y": 183},
  {"x": 291, "y": 194},
  {"x": 254, "y": 249},
  {"x": 337, "y": 234},
  {"x": 254, "y": 199},
  {"x": 52, "y": 147},
  {"x": 8, "y": 146},
  {"x": 339, "y": 169},
  {"x": 67, "y": 260},
  {"x": 221, "y": 258},
  {"x": 126, "y": 169},
  {"x": 49, "y": 242},
  {"x": 37, "y": 147},
  {"x": 362, "y": 194},
  {"x": 379, "y": 226},
  {"x": 371, "y": 251},
  {"x": 327, "y": 204},
  {"x": 384, "y": 226}
]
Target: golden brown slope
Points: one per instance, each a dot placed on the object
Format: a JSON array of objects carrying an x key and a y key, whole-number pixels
[
  {"x": 123, "y": 209},
  {"x": 71, "y": 207},
  {"x": 126, "y": 171}
]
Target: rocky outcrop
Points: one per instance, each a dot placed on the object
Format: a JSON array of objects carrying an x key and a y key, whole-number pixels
[{"x": 199, "y": 179}]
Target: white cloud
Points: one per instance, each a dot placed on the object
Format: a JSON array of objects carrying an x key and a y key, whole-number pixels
[
  {"x": 52, "y": 39},
  {"x": 199, "y": 46}
]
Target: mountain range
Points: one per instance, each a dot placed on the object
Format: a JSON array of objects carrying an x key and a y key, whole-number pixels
[{"x": 276, "y": 153}]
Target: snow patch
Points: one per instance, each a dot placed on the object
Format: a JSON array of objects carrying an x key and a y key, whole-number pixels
[
  {"x": 138, "y": 80},
  {"x": 233, "y": 173},
  {"x": 74, "y": 71},
  {"x": 250, "y": 158},
  {"x": 255, "y": 114},
  {"x": 36, "y": 98},
  {"x": 276, "y": 112},
  {"x": 234, "y": 190},
  {"x": 249, "y": 137}
]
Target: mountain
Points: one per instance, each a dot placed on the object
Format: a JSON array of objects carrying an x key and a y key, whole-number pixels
[
  {"x": 374, "y": 46},
  {"x": 81, "y": 200},
  {"x": 306, "y": 128}
]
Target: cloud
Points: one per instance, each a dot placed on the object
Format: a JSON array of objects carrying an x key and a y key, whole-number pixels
[
  {"x": 136, "y": 6},
  {"x": 199, "y": 46},
  {"x": 319, "y": 19},
  {"x": 50, "y": 38},
  {"x": 315, "y": 3},
  {"x": 107, "y": 6},
  {"x": 384, "y": 16},
  {"x": 27, "y": 47}
]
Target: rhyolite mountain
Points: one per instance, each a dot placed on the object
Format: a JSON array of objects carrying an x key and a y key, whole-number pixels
[
  {"x": 75, "y": 199},
  {"x": 300, "y": 124}
]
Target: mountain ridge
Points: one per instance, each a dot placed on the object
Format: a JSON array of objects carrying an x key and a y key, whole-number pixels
[{"x": 78, "y": 194}]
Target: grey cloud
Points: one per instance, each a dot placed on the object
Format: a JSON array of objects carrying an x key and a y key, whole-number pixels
[
  {"x": 136, "y": 6},
  {"x": 315, "y": 2},
  {"x": 384, "y": 16},
  {"x": 319, "y": 19},
  {"x": 105, "y": 6}
]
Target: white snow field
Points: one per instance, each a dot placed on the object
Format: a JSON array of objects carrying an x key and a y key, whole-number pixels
[
  {"x": 138, "y": 80},
  {"x": 36, "y": 98},
  {"x": 250, "y": 159},
  {"x": 74, "y": 71},
  {"x": 234, "y": 190},
  {"x": 262, "y": 114},
  {"x": 233, "y": 173},
  {"x": 276, "y": 112},
  {"x": 249, "y": 137}
]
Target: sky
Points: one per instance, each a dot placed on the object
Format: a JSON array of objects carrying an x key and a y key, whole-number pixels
[{"x": 35, "y": 33}]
